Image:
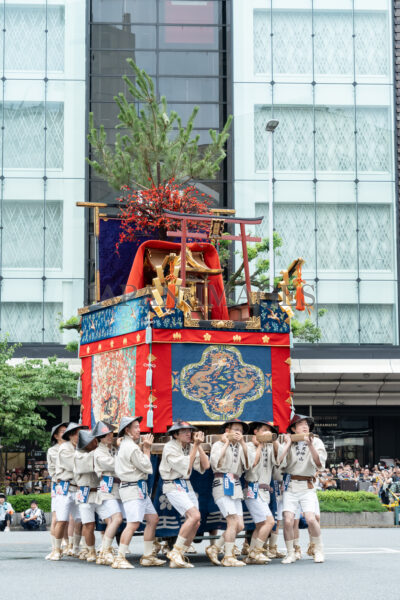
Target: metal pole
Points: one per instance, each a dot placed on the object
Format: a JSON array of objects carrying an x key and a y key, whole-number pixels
[
  {"x": 270, "y": 128},
  {"x": 271, "y": 214}
]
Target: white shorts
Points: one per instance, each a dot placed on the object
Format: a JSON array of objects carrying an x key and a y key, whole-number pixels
[
  {"x": 53, "y": 506},
  {"x": 258, "y": 509},
  {"x": 87, "y": 511},
  {"x": 229, "y": 506},
  {"x": 135, "y": 510},
  {"x": 183, "y": 501},
  {"x": 305, "y": 498},
  {"x": 108, "y": 508},
  {"x": 65, "y": 507},
  {"x": 279, "y": 505}
]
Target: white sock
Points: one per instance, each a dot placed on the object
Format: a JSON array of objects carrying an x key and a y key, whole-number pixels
[
  {"x": 259, "y": 543},
  {"x": 317, "y": 541},
  {"x": 148, "y": 548},
  {"x": 180, "y": 542},
  {"x": 107, "y": 543},
  {"x": 71, "y": 540},
  {"x": 220, "y": 541},
  {"x": 289, "y": 545},
  {"x": 296, "y": 542},
  {"x": 77, "y": 541},
  {"x": 252, "y": 542},
  {"x": 53, "y": 541},
  {"x": 123, "y": 549},
  {"x": 229, "y": 548},
  {"x": 57, "y": 544},
  {"x": 90, "y": 548},
  {"x": 273, "y": 540}
]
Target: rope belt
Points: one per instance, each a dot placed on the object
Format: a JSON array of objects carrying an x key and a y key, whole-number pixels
[
  {"x": 310, "y": 480},
  {"x": 173, "y": 480},
  {"x": 235, "y": 477}
]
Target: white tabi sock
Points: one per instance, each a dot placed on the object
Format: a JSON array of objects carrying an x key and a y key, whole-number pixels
[
  {"x": 296, "y": 542},
  {"x": 289, "y": 545},
  {"x": 53, "y": 541},
  {"x": 180, "y": 542},
  {"x": 259, "y": 543},
  {"x": 229, "y": 548},
  {"x": 317, "y": 541},
  {"x": 123, "y": 549},
  {"x": 252, "y": 542},
  {"x": 77, "y": 541},
  {"x": 220, "y": 542},
  {"x": 71, "y": 540},
  {"x": 107, "y": 543},
  {"x": 57, "y": 544},
  {"x": 148, "y": 548},
  {"x": 273, "y": 540},
  {"x": 90, "y": 548}
]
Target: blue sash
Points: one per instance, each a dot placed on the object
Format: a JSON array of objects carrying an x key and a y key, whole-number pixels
[
  {"x": 252, "y": 490},
  {"x": 106, "y": 484},
  {"x": 82, "y": 495},
  {"x": 62, "y": 488},
  {"x": 142, "y": 489},
  {"x": 229, "y": 484},
  {"x": 181, "y": 485}
]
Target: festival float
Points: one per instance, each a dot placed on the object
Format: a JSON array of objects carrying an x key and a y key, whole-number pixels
[{"x": 172, "y": 347}]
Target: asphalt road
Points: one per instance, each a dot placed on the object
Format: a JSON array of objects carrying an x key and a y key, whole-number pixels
[{"x": 361, "y": 564}]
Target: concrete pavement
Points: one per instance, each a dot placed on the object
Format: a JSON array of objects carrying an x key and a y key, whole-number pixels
[{"x": 361, "y": 564}]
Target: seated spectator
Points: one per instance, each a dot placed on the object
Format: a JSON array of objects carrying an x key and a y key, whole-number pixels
[
  {"x": 329, "y": 483},
  {"x": 27, "y": 484},
  {"x": 33, "y": 517},
  {"x": 6, "y": 512}
]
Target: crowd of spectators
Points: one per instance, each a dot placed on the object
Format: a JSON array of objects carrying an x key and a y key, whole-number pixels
[
  {"x": 26, "y": 482},
  {"x": 380, "y": 479}
]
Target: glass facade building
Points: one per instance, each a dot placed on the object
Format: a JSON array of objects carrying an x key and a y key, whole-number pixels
[
  {"x": 42, "y": 145},
  {"x": 185, "y": 46},
  {"x": 324, "y": 70}
]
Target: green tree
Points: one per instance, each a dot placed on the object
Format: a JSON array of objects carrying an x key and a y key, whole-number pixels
[
  {"x": 151, "y": 152},
  {"x": 303, "y": 331},
  {"x": 22, "y": 387}
]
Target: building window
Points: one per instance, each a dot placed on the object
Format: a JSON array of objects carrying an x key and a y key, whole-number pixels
[
  {"x": 27, "y": 142},
  {"x": 32, "y": 231},
  {"x": 29, "y": 322},
  {"x": 25, "y": 39},
  {"x": 335, "y": 141},
  {"x": 336, "y": 52}
]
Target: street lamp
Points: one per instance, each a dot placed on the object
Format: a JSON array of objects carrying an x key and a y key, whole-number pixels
[{"x": 270, "y": 128}]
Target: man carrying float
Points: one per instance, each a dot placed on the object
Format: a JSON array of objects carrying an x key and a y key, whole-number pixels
[
  {"x": 301, "y": 460},
  {"x": 229, "y": 460},
  {"x": 132, "y": 467},
  {"x": 262, "y": 457},
  {"x": 180, "y": 456}
]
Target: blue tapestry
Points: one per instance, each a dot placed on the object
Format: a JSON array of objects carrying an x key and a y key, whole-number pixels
[
  {"x": 220, "y": 382},
  {"x": 273, "y": 318},
  {"x": 114, "y": 266},
  {"x": 112, "y": 321}
]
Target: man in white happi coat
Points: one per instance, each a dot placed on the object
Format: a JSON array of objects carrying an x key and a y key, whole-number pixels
[
  {"x": 52, "y": 452},
  {"x": 180, "y": 456},
  {"x": 86, "y": 495},
  {"x": 66, "y": 488},
  {"x": 262, "y": 458},
  {"x": 229, "y": 460},
  {"x": 301, "y": 460},
  {"x": 109, "y": 506},
  {"x": 132, "y": 467}
]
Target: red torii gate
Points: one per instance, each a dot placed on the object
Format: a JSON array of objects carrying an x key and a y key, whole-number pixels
[{"x": 217, "y": 221}]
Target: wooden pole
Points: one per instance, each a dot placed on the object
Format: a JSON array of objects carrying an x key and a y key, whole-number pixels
[{"x": 246, "y": 264}]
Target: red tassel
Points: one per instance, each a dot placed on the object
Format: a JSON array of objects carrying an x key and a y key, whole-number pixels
[
  {"x": 171, "y": 295},
  {"x": 300, "y": 304}
]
